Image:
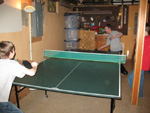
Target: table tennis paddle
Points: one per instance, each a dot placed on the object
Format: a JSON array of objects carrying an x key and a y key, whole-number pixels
[{"x": 27, "y": 64}]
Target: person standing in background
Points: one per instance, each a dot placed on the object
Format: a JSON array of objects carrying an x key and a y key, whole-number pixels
[
  {"x": 113, "y": 40},
  {"x": 145, "y": 61}
]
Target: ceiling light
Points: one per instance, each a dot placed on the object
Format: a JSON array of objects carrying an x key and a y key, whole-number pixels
[{"x": 29, "y": 9}]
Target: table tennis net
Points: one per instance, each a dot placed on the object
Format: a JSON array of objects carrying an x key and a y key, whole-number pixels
[{"x": 114, "y": 58}]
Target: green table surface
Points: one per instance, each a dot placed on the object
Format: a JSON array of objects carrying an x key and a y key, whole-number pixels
[{"x": 100, "y": 79}]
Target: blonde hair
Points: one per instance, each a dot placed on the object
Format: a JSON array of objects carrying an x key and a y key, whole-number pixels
[{"x": 5, "y": 48}]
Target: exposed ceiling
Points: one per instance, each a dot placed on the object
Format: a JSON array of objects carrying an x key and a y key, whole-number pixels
[{"x": 100, "y": 2}]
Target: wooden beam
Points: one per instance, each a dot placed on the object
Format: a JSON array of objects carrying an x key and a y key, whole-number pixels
[
  {"x": 139, "y": 50},
  {"x": 96, "y": 6}
]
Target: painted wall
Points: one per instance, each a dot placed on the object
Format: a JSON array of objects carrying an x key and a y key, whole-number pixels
[
  {"x": 129, "y": 40},
  {"x": 53, "y": 38}
]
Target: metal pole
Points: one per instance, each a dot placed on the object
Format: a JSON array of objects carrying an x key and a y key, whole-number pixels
[{"x": 30, "y": 33}]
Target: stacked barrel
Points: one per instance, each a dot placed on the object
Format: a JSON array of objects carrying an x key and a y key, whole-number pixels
[{"x": 71, "y": 31}]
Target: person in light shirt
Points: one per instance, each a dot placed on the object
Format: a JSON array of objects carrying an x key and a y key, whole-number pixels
[
  {"x": 113, "y": 40},
  {"x": 9, "y": 69}
]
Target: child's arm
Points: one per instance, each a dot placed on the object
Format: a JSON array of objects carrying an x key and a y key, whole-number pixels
[{"x": 32, "y": 71}]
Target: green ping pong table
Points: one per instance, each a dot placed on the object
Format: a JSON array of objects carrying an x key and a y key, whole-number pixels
[{"x": 79, "y": 74}]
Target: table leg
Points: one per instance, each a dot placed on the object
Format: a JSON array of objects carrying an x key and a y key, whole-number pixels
[
  {"x": 17, "y": 92},
  {"x": 46, "y": 95},
  {"x": 112, "y": 105},
  {"x": 17, "y": 99}
]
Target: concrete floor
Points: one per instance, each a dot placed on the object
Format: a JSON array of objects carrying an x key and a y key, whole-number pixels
[{"x": 36, "y": 102}]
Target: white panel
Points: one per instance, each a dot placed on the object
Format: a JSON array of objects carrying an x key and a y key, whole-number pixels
[{"x": 10, "y": 16}]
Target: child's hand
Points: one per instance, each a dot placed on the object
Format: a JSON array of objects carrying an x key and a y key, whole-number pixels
[{"x": 34, "y": 64}]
